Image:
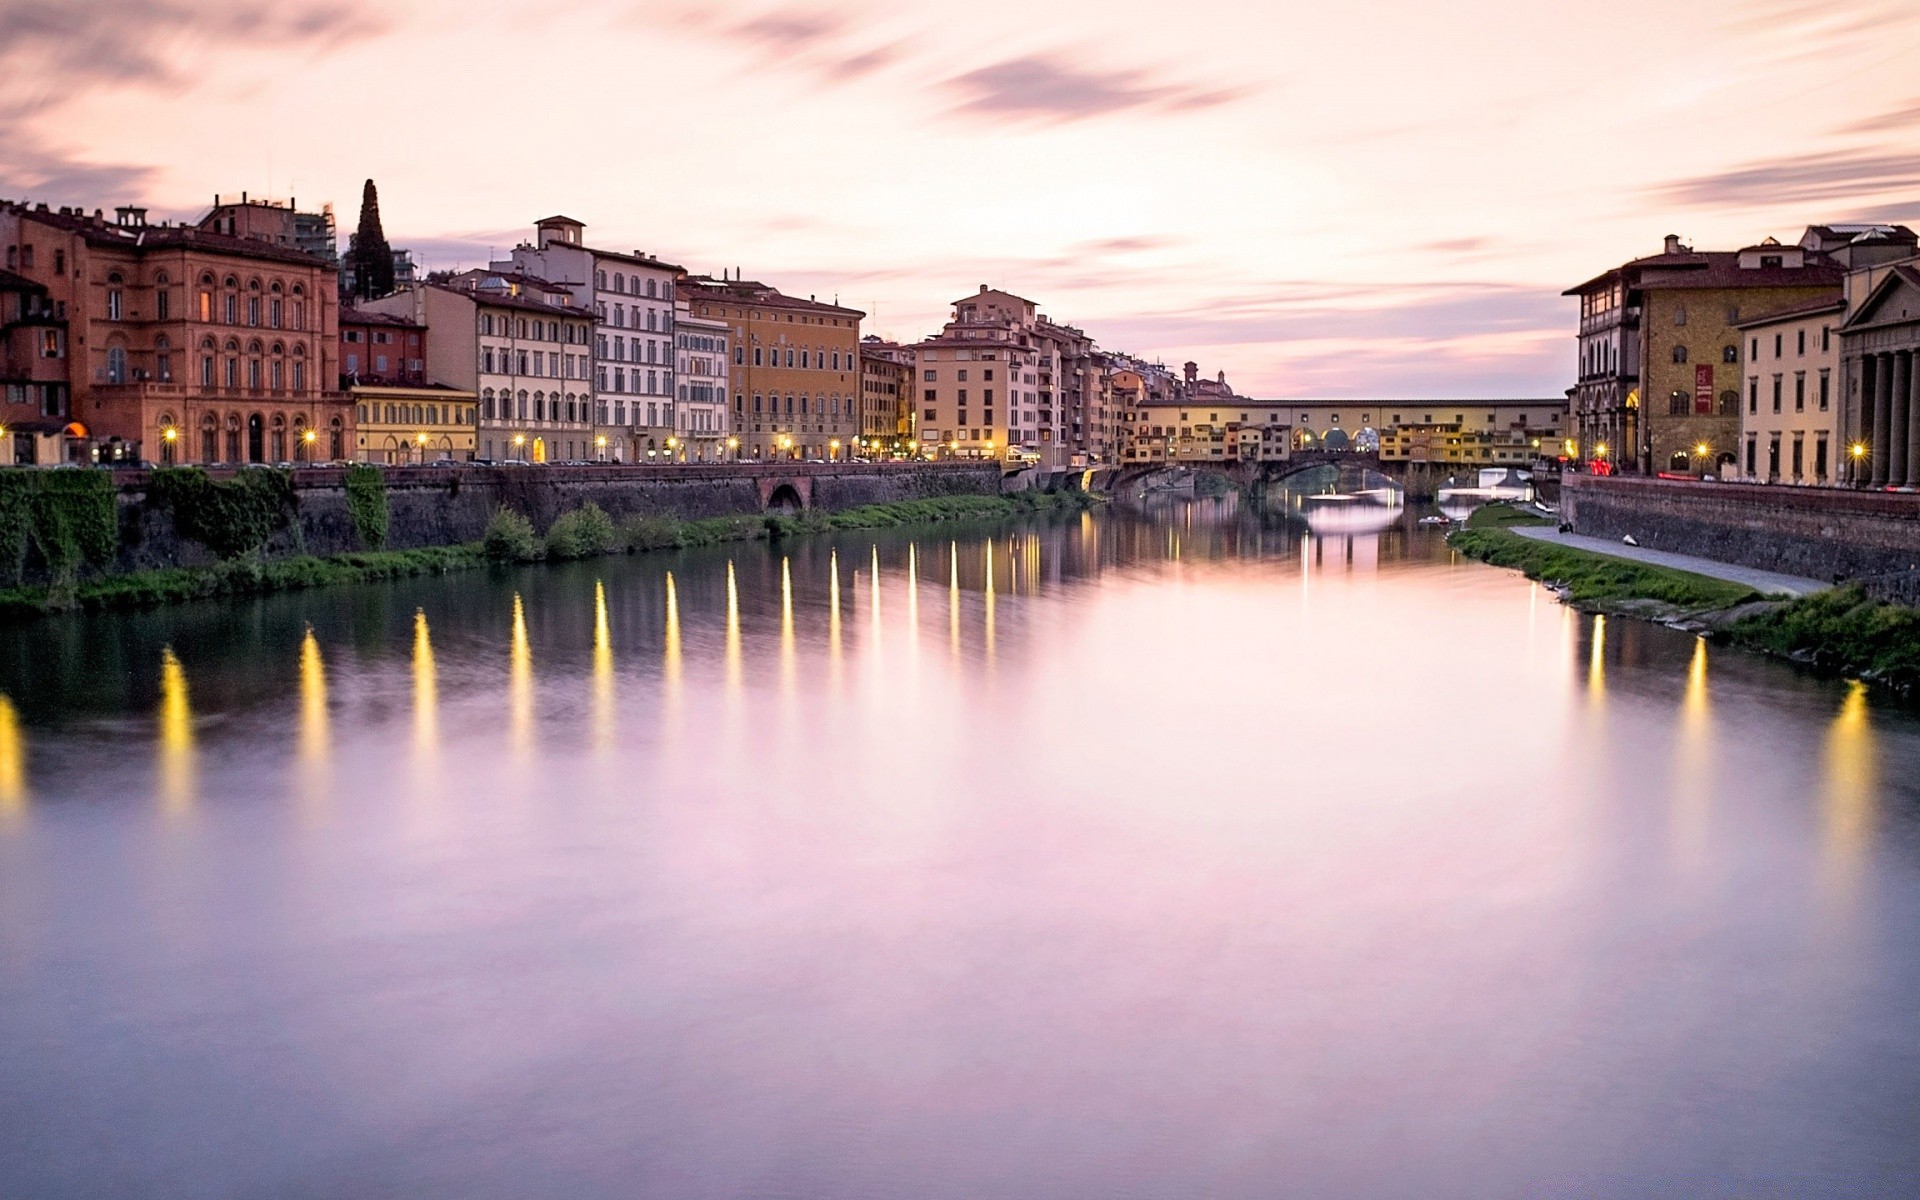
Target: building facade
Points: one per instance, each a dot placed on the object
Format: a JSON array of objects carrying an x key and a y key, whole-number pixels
[
  {"x": 631, "y": 297},
  {"x": 887, "y": 424},
  {"x": 1880, "y": 355},
  {"x": 524, "y": 356},
  {"x": 796, "y": 368},
  {"x": 187, "y": 345},
  {"x": 1789, "y": 410},
  {"x": 703, "y": 356},
  {"x": 979, "y": 379},
  {"x": 400, "y": 416},
  {"x": 34, "y": 397},
  {"x": 1661, "y": 366}
]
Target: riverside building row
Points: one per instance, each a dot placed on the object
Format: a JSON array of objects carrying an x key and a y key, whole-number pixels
[{"x": 1790, "y": 364}]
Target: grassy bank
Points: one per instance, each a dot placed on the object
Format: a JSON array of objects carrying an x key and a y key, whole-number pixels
[
  {"x": 1501, "y": 516},
  {"x": 583, "y": 533},
  {"x": 1840, "y": 631},
  {"x": 1599, "y": 582}
]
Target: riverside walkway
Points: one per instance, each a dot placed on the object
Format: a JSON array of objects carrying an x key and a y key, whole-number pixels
[{"x": 1765, "y": 582}]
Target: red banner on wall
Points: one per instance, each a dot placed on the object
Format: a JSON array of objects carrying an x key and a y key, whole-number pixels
[{"x": 1703, "y": 390}]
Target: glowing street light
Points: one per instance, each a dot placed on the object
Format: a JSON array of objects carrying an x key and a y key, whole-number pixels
[
  {"x": 168, "y": 434},
  {"x": 1858, "y": 450},
  {"x": 1600, "y": 450},
  {"x": 309, "y": 436}
]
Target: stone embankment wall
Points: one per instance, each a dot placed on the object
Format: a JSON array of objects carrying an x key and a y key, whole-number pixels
[
  {"x": 1819, "y": 533},
  {"x": 443, "y": 506}
]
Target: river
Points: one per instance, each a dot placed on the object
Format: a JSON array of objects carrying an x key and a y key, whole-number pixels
[{"x": 1121, "y": 855}]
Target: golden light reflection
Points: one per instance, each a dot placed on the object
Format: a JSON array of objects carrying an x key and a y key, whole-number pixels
[
  {"x": 176, "y": 735},
  {"x": 602, "y": 670},
  {"x": 13, "y": 762},
  {"x": 313, "y": 702},
  {"x": 786, "y": 625},
  {"x": 1851, "y": 775},
  {"x": 953, "y": 596},
  {"x": 1693, "y": 765},
  {"x": 833, "y": 609},
  {"x": 989, "y": 601},
  {"x": 913, "y": 598},
  {"x": 426, "y": 688},
  {"x": 670, "y": 664},
  {"x": 874, "y": 604},
  {"x": 1597, "y": 660},
  {"x": 520, "y": 682},
  {"x": 733, "y": 630}
]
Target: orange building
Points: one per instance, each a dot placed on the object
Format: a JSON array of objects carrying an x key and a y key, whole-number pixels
[
  {"x": 186, "y": 345},
  {"x": 796, "y": 368}
]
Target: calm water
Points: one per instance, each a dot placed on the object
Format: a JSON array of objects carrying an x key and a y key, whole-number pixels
[{"x": 1116, "y": 856}]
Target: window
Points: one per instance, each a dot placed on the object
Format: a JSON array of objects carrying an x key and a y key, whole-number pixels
[
  {"x": 1823, "y": 394},
  {"x": 1801, "y": 336},
  {"x": 1753, "y": 393},
  {"x": 1799, "y": 393},
  {"x": 1776, "y": 393},
  {"x": 1680, "y": 316},
  {"x": 114, "y": 305},
  {"x": 1679, "y": 354},
  {"x": 1779, "y": 340},
  {"x": 1730, "y": 354},
  {"x": 1677, "y": 403}
]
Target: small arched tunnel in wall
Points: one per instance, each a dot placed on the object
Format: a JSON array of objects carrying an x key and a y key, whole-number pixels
[{"x": 784, "y": 497}]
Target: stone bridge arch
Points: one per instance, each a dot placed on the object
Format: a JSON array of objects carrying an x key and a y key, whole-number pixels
[{"x": 779, "y": 493}]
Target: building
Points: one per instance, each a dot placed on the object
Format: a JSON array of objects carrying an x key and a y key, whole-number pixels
[
  {"x": 631, "y": 297},
  {"x": 277, "y": 224},
  {"x": 34, "y": 391},
  {"x": 703, "y": 354},
  {"x": 186, "y": 344},
  {"x": 1660, "y": 368},
  {"x": 1075, "y": 402},
  {"x": 1880, "y": 418},
  {"x": 796, "y": 368},
  {"x": 887, "y": 424},
  {"x": 1174, "y": 428},
  {"x": 400, "y": 416},
  {"x": 980, "y": 378},
  {"x": 1789, "y": 413},
  {"x": 526, "y": 355}
]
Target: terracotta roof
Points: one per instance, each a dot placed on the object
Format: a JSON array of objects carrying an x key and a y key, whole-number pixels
[
  {"x": 354, "y": 316},
  {"x": 503, "y": 300},
  {"x": 1715, "y": 269},
  {"x": 9, "y": 282},
  {"x": 756, "y": 295},
  {"x": 644, "y": 260},
  {"x": 100, "y": 232}
]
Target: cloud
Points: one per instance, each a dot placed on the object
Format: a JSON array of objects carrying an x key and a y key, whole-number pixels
[
  {"x": 1888, "y": 122},
  {"x": 1040, "y": 87},
  {"x": 137, "y": 42},
  {"x": 1137, "y": 244},
  {"x": 1816, "y": 178},
  {"x": 32, "y": 170},
  {"x": 1431, "y": 313}
]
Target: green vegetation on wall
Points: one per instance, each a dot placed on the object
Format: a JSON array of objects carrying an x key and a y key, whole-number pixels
[
  {"x": 69, "y": 517},
  {"x": 230, "y": 516},
  {"x": 367, "y": 503}
]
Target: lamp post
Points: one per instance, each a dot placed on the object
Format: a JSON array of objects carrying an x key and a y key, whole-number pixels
[
  {"x": 600, "y": 446},
  {"x": 1856, "y": 458},
  {"x": 833, "y": 449},
  {"x": 733, "y": 444},
  {"x": 519, "y": 443}
]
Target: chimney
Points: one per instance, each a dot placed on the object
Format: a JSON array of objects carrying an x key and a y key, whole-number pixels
[
  {"x": 1673, "y": 243},
  {"x": 983, "y": 289}
]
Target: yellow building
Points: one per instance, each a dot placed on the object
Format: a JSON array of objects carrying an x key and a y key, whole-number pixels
[
  {"x": 397, "y": 425},
  {"x": 796, "y": 368}
]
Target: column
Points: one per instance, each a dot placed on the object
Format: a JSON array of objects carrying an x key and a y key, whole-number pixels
[
  {"x": 1913, "y": 421},
  {"x": 1897, "y": 428},
  {"x": 1882, "y": 419}
]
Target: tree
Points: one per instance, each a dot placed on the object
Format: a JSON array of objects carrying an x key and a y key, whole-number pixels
[{"x": 371, "y": 255}]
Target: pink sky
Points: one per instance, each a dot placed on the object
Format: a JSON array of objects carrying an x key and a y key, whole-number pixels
[{"x": 1378, "y": 196}]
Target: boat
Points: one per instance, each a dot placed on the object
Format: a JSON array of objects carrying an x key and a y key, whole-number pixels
[{"x": 1436, "y": 519}]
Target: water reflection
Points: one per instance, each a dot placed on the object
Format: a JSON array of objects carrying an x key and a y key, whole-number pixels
[
  {"x": 1193, "y": 866},
  {"x": 602, "y": 671},
  {"x": 13, "y": 762},
  {"x": 176, "y": 736},
  {"x": 426, "y": 690},
  {"x": 1847, "y": 803}
]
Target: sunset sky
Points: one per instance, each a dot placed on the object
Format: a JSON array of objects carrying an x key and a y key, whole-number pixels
[{"x": 1370, "y": 197}]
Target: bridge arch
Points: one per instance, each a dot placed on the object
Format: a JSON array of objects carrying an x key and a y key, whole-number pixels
[{"x": 785, "y": 498}]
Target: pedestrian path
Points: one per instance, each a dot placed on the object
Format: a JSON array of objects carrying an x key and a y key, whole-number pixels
[{"x": 1766, "y": 582}]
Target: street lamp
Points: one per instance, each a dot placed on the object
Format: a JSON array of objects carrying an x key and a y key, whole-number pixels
[
  {"x": 519, "y": 440},
  {"x": 733, "y": 444},
  {"x": 833, "y": 449},
  {"x": 600, "y": 444}
]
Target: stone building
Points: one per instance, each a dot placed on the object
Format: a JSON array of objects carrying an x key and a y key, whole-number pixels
[
  {"x": 887, "y": 418},
  {"x": 703, "y": 357},
  {"x": 1880, "y": 421},
  {"x": 400, "y": 415},
  {"x": 34, "y": 402},
  {"x": 1660, "y": 352},
  {"x": 796, "y": 368},
  {"x": 524, "y": 353},
  {"x": 980, "y": 378},
  {"x": 631, "y": 297},
  {"x": 185, "y": 344},
  {"x": 1789, "y": 409}
]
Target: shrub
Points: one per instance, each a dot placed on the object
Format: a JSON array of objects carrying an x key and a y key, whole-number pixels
[
  {"x": 229, "y": 517},
  {"x": 649, "y": 533},
  {"x": 367, "y": 504},
  {"x": 510, "y": 538},
  {"x": 583, "y": 533}
]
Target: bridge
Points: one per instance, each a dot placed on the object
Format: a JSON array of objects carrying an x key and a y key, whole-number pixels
[{"x": 1419, "y": 480}]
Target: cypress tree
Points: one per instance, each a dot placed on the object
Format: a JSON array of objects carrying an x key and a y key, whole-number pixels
[{"x": 372, "y": 256}]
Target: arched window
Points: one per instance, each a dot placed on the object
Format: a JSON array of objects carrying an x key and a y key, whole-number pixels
[
  {"x": 163, "y": 359},
  {"x": 299, "y": 367},
  {"x": 169, "y": 445},
  {"x": 300, "y": 453},
  {"x": 1679, "y": 461},
  {"x": 336, "y": 445},
  {"x": 233, "y": 438},
  {"x": 1679, "y": 354},
  {"x": 278, "y": 435},
  {"x": 209, "y": 438},
  {"x": 1730, "y": 354},
  {"x": 116, "y": 364}
]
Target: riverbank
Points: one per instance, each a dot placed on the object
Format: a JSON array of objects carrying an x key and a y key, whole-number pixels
[
  {"x": 585, "y": 532},
  {"x": 1836, "y": 631},
  {"x": 1594, "y": 582}
]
